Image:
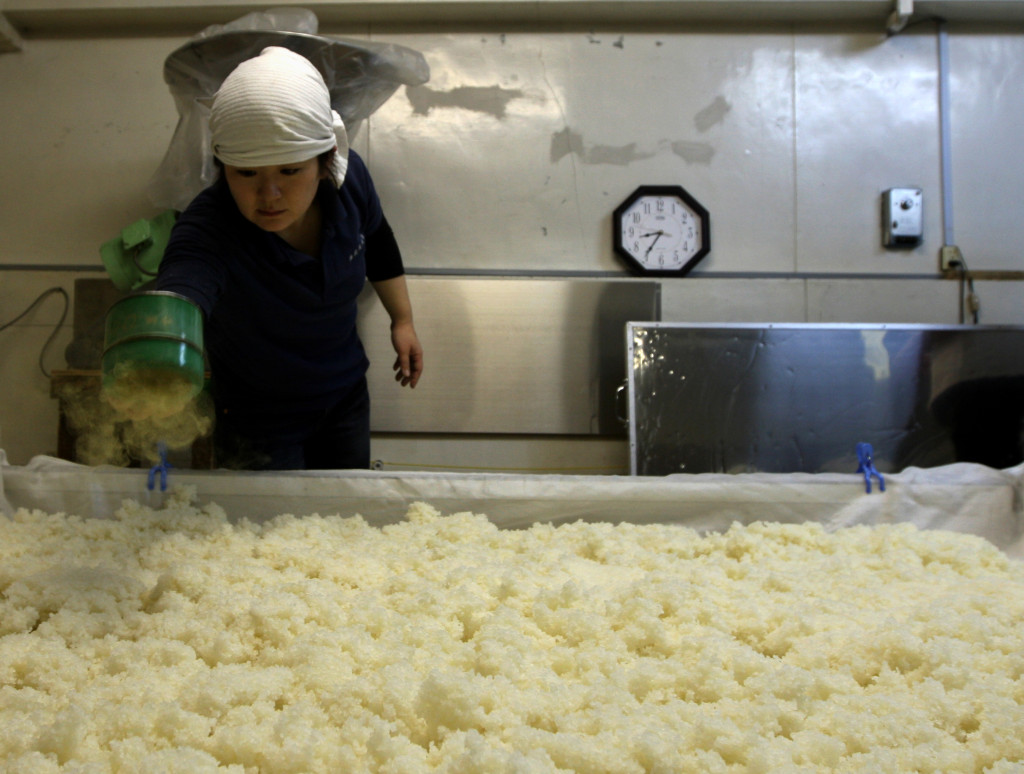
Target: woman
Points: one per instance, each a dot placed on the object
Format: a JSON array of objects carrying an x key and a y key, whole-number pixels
[{"x": 276, "y": 253}]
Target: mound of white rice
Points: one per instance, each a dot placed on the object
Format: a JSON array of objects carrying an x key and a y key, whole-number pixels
[{"x": 176, "y": 641}]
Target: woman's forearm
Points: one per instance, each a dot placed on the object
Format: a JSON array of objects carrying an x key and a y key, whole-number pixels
[{"x": 394, "y": 295}]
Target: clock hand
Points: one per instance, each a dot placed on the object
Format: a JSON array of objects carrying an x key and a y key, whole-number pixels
[{"x": 656, "y": 238}]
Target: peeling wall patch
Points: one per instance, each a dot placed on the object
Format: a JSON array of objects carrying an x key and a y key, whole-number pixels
[
  {"x": 596, "y": 41},
  {"x": 565, "y": 143},
  {"x": 491, "y": 100},
  {"x": 568, "y": 142},
  {"x": 611, "y": 154},
  {"x": 693, "y": 152},
  {"x": 712, "y": 114}
]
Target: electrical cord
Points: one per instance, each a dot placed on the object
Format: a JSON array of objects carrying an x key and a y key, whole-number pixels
[
  {"x": 60, "y": 323},
  {"x": 969, "y": 301},
  {"x": 968, "y": 297},
  {"x": 973, "y": 302}
]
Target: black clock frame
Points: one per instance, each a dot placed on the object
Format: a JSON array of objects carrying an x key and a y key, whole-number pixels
[{"x": 661, "y": 190}]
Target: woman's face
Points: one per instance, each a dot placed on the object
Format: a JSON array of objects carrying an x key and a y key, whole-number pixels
[{"x": 276, "y": 198}]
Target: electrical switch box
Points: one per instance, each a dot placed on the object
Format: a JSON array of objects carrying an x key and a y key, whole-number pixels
[{"x": 902, "y": 217}]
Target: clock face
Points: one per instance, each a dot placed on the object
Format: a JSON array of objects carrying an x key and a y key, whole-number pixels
[{"x": 661, "y": 230}]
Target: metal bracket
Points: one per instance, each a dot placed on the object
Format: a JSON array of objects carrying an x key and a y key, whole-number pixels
[
  {"x": 901, "y": 13},
  {"x": 10, "y": 41}
]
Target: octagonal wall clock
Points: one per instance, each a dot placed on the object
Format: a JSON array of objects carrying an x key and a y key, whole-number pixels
[{"x": 661, "y": 230}]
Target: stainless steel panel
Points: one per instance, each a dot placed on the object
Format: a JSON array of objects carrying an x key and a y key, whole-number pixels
[
  {"x": 879, "y": 144},
  {"x": 523, "y": 356},
  {"x": 987, "y": 152},
  {"x": 517, "y": 151},
  {"x": 799, "y": 398}
]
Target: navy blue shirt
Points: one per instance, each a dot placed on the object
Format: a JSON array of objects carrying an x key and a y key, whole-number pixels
[{"x": 280, "y": 325}]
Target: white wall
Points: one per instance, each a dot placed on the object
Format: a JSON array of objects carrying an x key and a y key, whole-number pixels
[{"x": 513, "y": 156}]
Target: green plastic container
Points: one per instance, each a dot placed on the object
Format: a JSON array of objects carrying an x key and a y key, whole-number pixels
[{"x": 155, "y": 335}]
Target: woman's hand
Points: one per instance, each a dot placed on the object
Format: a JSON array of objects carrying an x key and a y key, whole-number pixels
[
  {"x": 409, "y": 363},
  {"x": 394, "y": 294}
]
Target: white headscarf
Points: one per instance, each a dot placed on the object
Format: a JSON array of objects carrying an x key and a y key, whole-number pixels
[{"x": 275, "y": 109}]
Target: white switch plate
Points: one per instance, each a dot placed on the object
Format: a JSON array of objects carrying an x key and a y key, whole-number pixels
[{"x": 902, "y": 217}]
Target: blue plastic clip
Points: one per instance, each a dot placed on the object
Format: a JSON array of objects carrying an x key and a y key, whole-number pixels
[
  {"x": 867, "y": 467},
  {"x": 163, "y": 466}
]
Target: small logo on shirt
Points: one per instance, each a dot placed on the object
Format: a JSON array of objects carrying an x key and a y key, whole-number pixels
[{"x": 358, "y": 248}]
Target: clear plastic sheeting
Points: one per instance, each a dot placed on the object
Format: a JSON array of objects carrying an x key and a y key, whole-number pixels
[
  {"x": 963, "y": 497},
  {"x": 360, "y": 75}
]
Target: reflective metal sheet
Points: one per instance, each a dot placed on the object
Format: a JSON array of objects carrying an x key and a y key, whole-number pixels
[
  {"x": 514, "y": 155},
  {"x": 799, "y": 398}
]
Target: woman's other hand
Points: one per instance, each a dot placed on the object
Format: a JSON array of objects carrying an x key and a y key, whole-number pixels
[{"x": 409, "y": 363}]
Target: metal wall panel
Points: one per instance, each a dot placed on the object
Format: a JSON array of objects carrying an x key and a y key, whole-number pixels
[
  {"x": 845, "y": 157},
  {"x": 514, "y": 155},
  {"x": 519, "y": 356},
  {"x": 986, "y": 125},
  {"x": 799, "y": 398}
]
